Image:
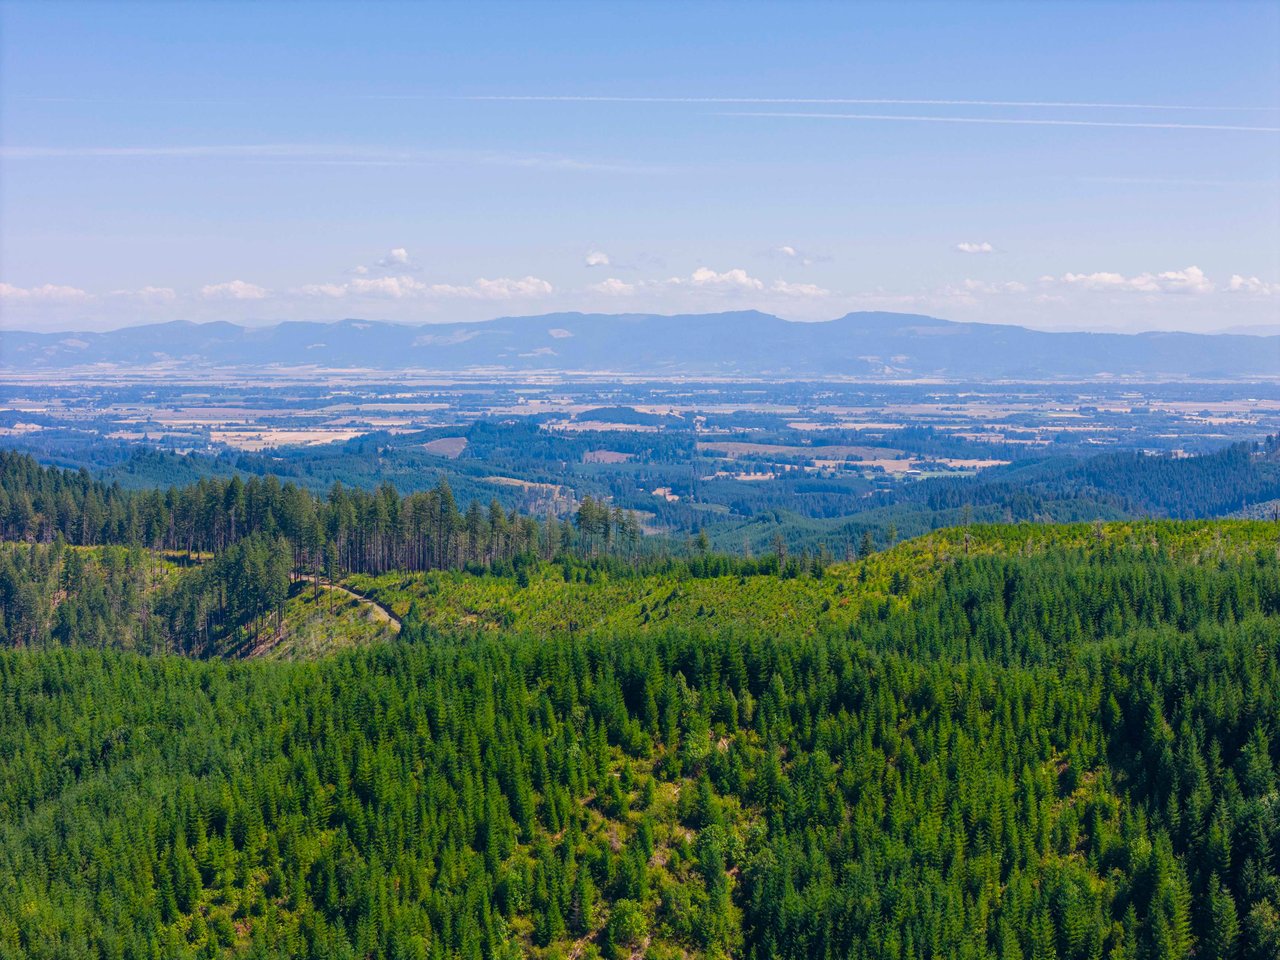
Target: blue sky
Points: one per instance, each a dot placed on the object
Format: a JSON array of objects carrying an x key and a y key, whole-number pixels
[{"x": 1106, "y": 166}]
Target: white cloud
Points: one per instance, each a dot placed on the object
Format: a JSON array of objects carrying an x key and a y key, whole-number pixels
[
  {"x": 148, "y": 294},
  {"x": 799, "y": 289},
  {"x": 395, "y": 258},
  {"x": 49, "y": 292},
  {"x": 387, "y": 286},
  {"x": 614, "y": 287},
  {"x": 403, "y": 287},
  {"x": 1095, "y": 281},
  {"x": 1252, "y": 285},
  {"x": 1190, "y": 280},
  {"x": 334, "y": 290},
  {"x": 597, "y": 258},
  {"x": 735, "y": 279},
  {"x": 504, "y": 288},
  {"x": 805, "y": 258},
  {"x": 993, "y": 287},
  {"x": 968, "y": 291},
  {"x": 975, "y": 246},
  {"x": 233, "y": 290},
  {"x": 394, "y": 261}
]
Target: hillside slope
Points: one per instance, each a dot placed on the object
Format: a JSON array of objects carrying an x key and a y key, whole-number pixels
[
  {"x": 156, "y": 602},
  {"x": 906, "y": 582},
  {"x": 1010, "y": 742}
]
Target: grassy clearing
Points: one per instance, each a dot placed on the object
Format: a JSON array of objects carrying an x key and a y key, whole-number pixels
[{"x": 835, "y": 598}]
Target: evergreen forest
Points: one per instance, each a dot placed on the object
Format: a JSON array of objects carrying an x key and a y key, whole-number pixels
[{"x": 238, "y": 719}]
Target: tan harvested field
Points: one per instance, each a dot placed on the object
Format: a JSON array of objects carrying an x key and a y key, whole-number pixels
[
  {"x": 970, "y": 464},
  {"x": 262, "y": 439},
  {"x": 749, "y": 477},
  {"x": 369, "y": 423},
  {"x": 1223, "y": 421},
  {"x": 1215, "y": 407},
  {"x": 665, "y": 411},
  {"x": 998, "y": 437},
  {"x": 382, "y": 407},
  {"x": 450, "y": 447},
  {"x": 598, "y": 426},
  {"x": 20, "y": 428},
  {"x": 546, "y": 489},
  {"x": 605, "y": 456},
  {"x": 731, "y": 448},
  {"x": 527, "y": 408},
  {"x": 890, "y": 466},
  {"x": 845, "y": 425},
  {"x": 203, "y": 415},
  {"x": 1078, "y": 428}
]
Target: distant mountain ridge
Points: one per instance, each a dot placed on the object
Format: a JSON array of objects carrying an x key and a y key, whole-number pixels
[{"x": 744, "y": 344}]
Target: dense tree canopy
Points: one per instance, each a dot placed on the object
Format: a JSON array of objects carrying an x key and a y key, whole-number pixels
[
  {"x": 998, "y": 742},
  {"x": 994, "y": 741},
  {"x": 366, "y": 531}
]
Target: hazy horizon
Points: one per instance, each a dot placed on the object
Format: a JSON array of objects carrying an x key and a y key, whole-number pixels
[{"x": 1261, "y": 329}]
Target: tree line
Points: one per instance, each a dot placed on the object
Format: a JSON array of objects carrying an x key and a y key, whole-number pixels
[{"x": 349, "y": 529}]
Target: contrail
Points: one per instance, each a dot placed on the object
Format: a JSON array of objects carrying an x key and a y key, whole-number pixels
[
  {"x": 1005, "y": 121},
  {"x": 764, "y": 101},
  {"x": 848, "y": 101}
]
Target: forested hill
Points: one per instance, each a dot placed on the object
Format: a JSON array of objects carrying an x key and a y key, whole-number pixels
[
  {"x": 748, "y": 343},
  {"x": 1109, "y": 486},
  {"x": 348, "y": 529},
  {"x": 377, "y": 529},
  {"x": 995, "y": 740},
  {"x": 1031, "y": 742},
  {"x": 1212, "y": 484}
]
